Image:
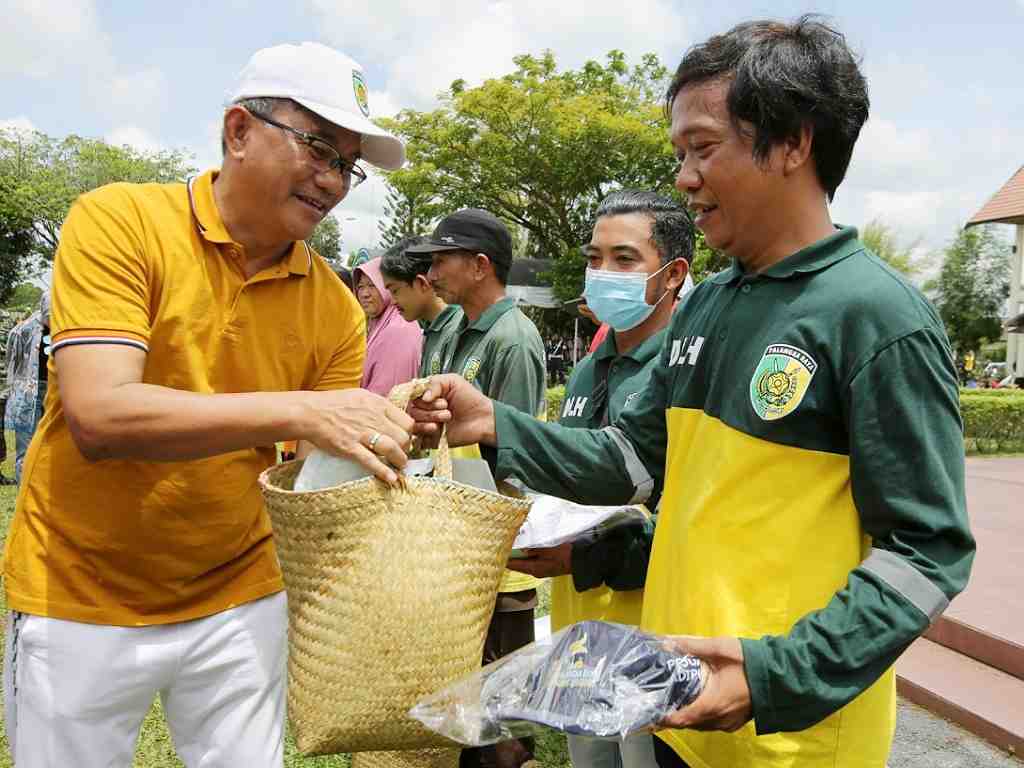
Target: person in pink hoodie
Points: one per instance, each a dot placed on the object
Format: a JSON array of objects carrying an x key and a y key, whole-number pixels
[{"x": 393, "y": 344}]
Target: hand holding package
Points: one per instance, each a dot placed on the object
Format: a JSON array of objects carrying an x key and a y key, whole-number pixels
[{"x": 593, "y": 678}]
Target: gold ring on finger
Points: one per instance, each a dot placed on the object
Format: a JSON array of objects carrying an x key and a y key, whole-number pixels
[{"x": 373, "y": 441}]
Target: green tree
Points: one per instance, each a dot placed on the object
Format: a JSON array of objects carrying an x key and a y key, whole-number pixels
[
  {"x": 16, "y": 240},
  {"x": 42, "y": 176},
  {"x": 411, "y": 206},
  {"x": 883, "y": 242},
  {"x": 971, "y": 289},
  {"x": 326, "y": 238},
  {"x": 541, "y": 147}
]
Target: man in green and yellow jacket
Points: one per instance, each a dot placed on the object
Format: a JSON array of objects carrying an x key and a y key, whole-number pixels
[{"x": 801, "y": 427}]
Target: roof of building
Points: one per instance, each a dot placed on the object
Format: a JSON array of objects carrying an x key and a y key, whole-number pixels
[{"x": 1006, "y": 206}]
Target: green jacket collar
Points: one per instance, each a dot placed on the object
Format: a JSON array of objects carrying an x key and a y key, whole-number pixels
[
  {"x": 440, "y": 321},
  {"x": 814, "y": 258},
  {"x": 490, "y": 315},
  {"x": 640, "y": 354}
]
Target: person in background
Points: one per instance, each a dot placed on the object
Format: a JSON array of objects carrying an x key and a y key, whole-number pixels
[
  {"x": 498, "y": 350},
  {"x": 405, "y": 276},
  {"x": 28, "y": 352},
  {"x": 393, "y": 344},
  {"x": 346, "y": 278}
]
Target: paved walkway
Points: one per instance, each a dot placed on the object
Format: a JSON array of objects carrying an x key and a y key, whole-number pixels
[
  {"x": 926, "y": 741},
  {"x": 994, "y": 599}
]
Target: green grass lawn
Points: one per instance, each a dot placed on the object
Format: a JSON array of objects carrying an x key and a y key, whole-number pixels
[{"x": 155, "y": 749}]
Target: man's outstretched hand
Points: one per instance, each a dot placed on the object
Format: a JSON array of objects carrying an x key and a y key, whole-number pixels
[
  {"x": 544, "y": 563},
  {"x": 451, "y": 400}
]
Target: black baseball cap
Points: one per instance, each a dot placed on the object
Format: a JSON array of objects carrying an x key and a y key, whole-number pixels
[{"x": 471, "y": 229}]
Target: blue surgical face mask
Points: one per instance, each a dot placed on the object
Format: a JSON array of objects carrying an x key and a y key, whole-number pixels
[{"x": 619, "y": 298}]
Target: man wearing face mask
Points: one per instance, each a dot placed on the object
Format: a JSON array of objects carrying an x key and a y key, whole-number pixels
[{"x": 638, "y": 261}]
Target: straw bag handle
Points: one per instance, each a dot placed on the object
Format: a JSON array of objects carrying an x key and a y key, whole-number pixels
[{"x": 400, "y": 397}]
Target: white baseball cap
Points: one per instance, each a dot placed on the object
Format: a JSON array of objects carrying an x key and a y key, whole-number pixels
[{"x": 326, "y": 82}]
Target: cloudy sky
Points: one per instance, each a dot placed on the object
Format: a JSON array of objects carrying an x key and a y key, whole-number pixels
[{"x": 946, "y": 127}]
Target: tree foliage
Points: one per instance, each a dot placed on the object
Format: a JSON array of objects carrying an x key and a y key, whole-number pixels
[
  {"x": 540, "y": 148},
  {"x": 883, "y": 242},
  {"x": 411, "y": 206},
  {"x": 971, "y": 289},
  {"x": 326, "y": 238},
  {"x": 42, "y": 176},
  {"x": 16, "y": 240}
]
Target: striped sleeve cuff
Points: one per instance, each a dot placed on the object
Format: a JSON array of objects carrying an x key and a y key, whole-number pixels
[{"x": 78, "y": 338}]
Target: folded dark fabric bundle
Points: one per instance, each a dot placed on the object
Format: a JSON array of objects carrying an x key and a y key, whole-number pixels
[{"x": 597, "y": 679}]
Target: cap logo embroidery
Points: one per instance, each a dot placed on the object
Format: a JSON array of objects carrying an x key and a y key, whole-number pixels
[
  {"x": 362, "y": 95},
  {"x": 780, "y": 381},
  {"x": 448, "y": 239}
]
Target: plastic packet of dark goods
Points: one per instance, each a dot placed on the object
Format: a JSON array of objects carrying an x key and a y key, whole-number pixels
[{"x": 593, "y": 678}]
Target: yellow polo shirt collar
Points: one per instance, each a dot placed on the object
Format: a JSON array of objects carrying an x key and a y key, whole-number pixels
[{"x": 211, "y": 226}]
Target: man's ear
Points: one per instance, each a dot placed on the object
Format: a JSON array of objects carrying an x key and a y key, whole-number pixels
[
  {"x": 237, "y": 131},
  {"x": 421, "y": 282},
  {"x": 675, "y": 274},
  {"x": 483, "y": 265},
  {"x": 798, "y": 149}
]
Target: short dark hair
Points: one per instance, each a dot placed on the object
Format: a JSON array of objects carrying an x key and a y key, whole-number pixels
[
  {"x": 672, "y": 230},
  {"x": 398, "y": 264},
  {"x": 782, "y": 78},
  {"x": 261, "y": 106}
]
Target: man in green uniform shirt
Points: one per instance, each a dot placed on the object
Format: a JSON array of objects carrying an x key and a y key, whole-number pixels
[
  {"x": 405, "y": 276},
  {"x": 801, "y": 428},
  {"x": 498, "y": 349},
  {"x": 638, "y": 257}
]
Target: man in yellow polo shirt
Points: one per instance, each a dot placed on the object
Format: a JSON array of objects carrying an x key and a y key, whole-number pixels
[{"x": 193, "y": 328}]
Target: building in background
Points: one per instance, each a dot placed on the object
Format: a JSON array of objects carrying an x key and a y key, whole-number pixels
[{"x": 1007, "y": 207}]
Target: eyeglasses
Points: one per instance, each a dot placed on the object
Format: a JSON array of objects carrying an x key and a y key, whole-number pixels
[{"x": 322, "y": 153}]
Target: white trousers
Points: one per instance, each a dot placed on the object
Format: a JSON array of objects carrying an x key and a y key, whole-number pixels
[
  {"x": 75, "y": 694},
  {"x": 635, "y": 751}
]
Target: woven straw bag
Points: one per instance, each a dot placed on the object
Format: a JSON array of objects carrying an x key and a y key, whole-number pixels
[{"x": 390, "y": 592}]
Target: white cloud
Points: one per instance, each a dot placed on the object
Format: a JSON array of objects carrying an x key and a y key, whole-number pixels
[
  {"x": 358, "y": 231},
  {"x": 208, "y": 154},
  {"x": 42, "y": 39},
  {"x": 487, "y": 35},
  {"x": 19, "y": 124},
  {"x": 890, "y": 153},
  {"x": 382, "y": 104},
  {"x": 137, "y": 96},
  {"x": 133, "y": 136},
  {"x": 62, "y": 43},
  {"x": 359, "y": 213}
]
